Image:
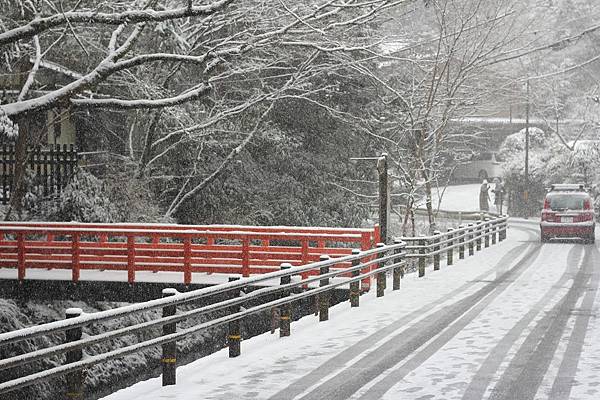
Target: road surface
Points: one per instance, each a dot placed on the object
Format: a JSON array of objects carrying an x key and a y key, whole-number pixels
[{"x": 518, "y": 321}]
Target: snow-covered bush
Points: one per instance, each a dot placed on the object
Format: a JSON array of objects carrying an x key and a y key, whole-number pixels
[{"x": 84, "y": 199}]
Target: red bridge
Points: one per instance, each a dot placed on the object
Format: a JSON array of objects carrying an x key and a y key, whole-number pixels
[{"x": 188, "y": 249}]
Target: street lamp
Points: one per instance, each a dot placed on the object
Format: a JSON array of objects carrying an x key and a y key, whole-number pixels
[{"x": 383, "y": 194}]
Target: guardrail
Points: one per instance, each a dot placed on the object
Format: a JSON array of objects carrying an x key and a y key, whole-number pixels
[
  {"x": 383, "y": 258},
  {"x": 469, "y": 236},
  {"x": 172, "y": 248},
  {"x": 288, "y": 284}
]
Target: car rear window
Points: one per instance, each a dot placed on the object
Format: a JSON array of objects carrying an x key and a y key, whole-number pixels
[{"x": 567, "y": 201}]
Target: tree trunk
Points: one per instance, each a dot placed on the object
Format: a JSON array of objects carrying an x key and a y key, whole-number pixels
[{"x": 18, "y": 184}]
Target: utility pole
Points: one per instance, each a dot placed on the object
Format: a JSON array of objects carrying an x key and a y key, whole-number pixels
[
  {"x": 384, "y": 204},
  {"x": 526, "y": 191}
]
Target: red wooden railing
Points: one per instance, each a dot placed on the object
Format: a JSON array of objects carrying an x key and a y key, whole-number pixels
[{"x": 188, "y": 249}]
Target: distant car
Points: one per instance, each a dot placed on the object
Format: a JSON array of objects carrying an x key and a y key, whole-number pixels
[
  {"x": 568, "y": 213},
  {"x": 481, "y": 166}
]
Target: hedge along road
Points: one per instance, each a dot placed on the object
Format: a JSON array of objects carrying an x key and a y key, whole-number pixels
[{"x": 518, "y": 325}]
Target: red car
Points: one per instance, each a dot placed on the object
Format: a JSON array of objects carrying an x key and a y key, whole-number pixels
[{"x": 568, "y": 213}]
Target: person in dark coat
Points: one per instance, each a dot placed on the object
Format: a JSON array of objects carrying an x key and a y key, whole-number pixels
[
  {"x": 484, "y": 196},
  {"x": 498, "y": 195}
]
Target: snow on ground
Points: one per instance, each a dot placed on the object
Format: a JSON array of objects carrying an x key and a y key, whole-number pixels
[
  {"x": 459, "y": 198},
  {"x": 269, "y": 364}
]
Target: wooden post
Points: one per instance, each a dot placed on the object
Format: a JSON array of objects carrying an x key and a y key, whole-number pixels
[
  {"x": 478, "y": 233},
  {"x": 470, "y": 237},
  {"x": 169, "y": 350},
  {"x": 324, "y": 296},
  {"x": 436, "y": 248},
  {"x": 450, "y": 252},
  {"x": 397, "y": 271},
  {"x": 245, "y": 257},
  {"x": 286, "y": 309},
  {"x": 187, "y": 260},
  {"x": 381, "y": 273},
  {"x": 75, "y": 253},
  {"x": 21, "y": 256},
  {"x": 75, "y": 380},
  {"x": 494, "y": 230},
  {"x": 234, "y": 337},
  {"x": 130, "y": 259},
  {"x": 355, "y": 286},
  {"x": 461, "y": 241},
  {"x": 422, "y": 258},
  {"x": 486, "y": 232}
]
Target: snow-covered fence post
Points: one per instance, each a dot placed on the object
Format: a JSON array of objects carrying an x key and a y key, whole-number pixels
[
  {"x": 461, "y": 241},
  {"x": 324, "y": 296},
  {"x": 169, "y": 350},
  {"x": 234, "y": 336},
  {"x": 381, "y": 274},
  {"x": 502, "y": 233},
  {"x": 450, "y": 252},
  {"x": 486, "y": 231},
  {"x": 75, "y": 380},
  {"x": 422, "y": 260},
  {"x": 436, "y": 248},
  {"x": 286, "y": 309},
  {"x": 355, "y": 285},
  {"x": 397, "y": 271},
  {"x": 494, "y": 230},
  {"x": 478, "y": 233},
  {"x": 470, "y": 238}
]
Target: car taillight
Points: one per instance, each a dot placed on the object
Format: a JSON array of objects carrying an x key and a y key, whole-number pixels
[
  {"x": 546, "y": 204},
  {"x": 587, "y": 204},
  {"x": 588, "y": 216},
  {"x": 548, "y": 217}
]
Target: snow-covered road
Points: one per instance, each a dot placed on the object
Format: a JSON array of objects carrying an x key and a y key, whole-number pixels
[{"x": 517, "y": 321}]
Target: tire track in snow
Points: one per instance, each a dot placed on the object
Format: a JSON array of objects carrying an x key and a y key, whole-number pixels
[
  {"x": 561, "y": 389},
  {"x": 525, "y": 372},
  {"x": 485, "y": 374},
  {"x": 337, "y": 363},
  {"x": 351, "y": 378}
]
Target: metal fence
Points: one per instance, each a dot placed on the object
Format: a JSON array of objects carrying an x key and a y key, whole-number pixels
[
  {"x": 316, "y": 282},
  {"x": 51, "y": 169}
]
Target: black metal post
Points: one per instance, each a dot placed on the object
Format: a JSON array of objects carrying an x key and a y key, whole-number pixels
[
  {"x": 169, "y": 350},
  {"x": 286, "y": 309},
  {"x": 470, "y": 237},
  {"x": 486, "y": 231},
  {"x": 381, "y": 273},
  {"x": 436, "y": 248},
  {"x": 75, "y": 380},
  {"x": 397, "y": 271},
  {"x": 461, "y": 241},
  {"x": 450, "y": 252},
  {"x": 422, "y": 260},
  {"x": 355, "y": 286},
  {"x": 234, "y": 336},
  {"x": 324, "y": 296}
]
